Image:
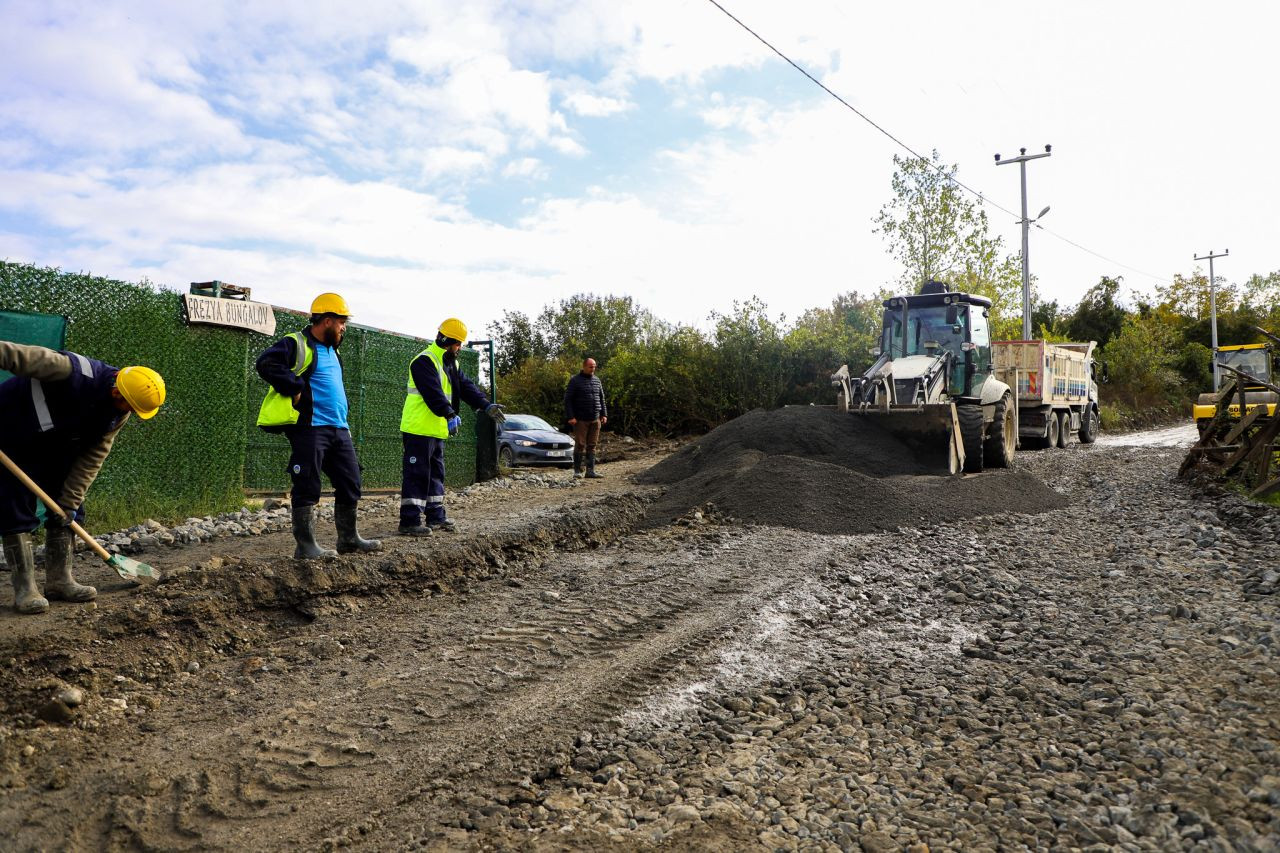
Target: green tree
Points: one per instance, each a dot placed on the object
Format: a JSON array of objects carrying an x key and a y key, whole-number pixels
[
  {"x": 825, "y": 338},
  {"x": 933, "y": 229},
  {"x": 515, "y": 342},
  {"x": 750, "y": 356},
  {"x": 596, "y": 326},
  {"x": 1099, "y": 316}
]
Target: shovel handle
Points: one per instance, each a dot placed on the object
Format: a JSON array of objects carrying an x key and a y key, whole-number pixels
[{"x": 53, "y": 506}]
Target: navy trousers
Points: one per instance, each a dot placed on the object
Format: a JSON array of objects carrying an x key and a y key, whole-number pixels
[
  {"x": 326, "y": 450},
  {"x": 49, "y": 468},
  {"x": 422, "y": 483}
]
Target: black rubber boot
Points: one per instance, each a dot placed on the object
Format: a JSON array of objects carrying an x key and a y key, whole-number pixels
[
  {"x": 577, "y": 463},
  {"x": 22, "y": 566},
  {"x": 591, "y": 468},
  {"x": 59, "y": 585},
  {"x": 305, "y": 535},
  {"x": 349, "y": 541}
]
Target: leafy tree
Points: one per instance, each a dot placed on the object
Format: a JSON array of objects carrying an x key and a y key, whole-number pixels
[
  {"x": 750, "y": 356},
  {"x": 825, "y": 338},
  {"x": 933, "y": 229},
  {"x": 596, "y": 326},
  {"x": 515, "y": 342},
  {"x": 1098, "y": 317}
]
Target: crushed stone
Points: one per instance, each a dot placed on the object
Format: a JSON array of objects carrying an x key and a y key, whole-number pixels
[{"x": 822, "y": 471}]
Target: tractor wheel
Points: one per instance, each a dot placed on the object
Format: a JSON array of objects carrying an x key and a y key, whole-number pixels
[
  {"x": 1064, "y": 429},
  {"x": 971, "y": 432},
  {"x": 1053, "y": 426},
  {"x": 999, "y": 447},
  {"x": 1088, "y": 426}
]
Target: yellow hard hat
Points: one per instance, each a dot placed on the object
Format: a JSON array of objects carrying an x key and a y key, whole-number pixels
[
  {"x": 142, "y": 388},
  {"x": 330, "y": 303},
  {"x": 454, "y": 328}
]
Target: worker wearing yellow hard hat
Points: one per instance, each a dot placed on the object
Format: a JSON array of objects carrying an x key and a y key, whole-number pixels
[
  {"x": 307, "y": 402},
  {"x": 430, "y": 417},
  {"x": 62, "y": 411}
]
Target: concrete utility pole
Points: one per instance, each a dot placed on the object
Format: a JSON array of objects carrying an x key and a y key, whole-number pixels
[
  {"x": 1021, "y": 160},
  {"x": 1213, "y": 309}
]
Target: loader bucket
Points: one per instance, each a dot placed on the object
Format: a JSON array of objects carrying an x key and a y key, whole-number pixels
[{"x": 932, "y": 431}]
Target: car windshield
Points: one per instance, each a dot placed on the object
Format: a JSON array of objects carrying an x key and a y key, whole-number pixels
[
  {"x": 926, "y": 327},
  {"x": 527, "y": 422},
  {"x": 1252, "y": 361}
]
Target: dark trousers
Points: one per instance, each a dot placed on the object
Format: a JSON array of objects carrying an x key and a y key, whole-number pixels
[
  {"x": 326, "y": 450},
  {"x": 49, "y": 468},
  {"x": 422, "y": 481}
]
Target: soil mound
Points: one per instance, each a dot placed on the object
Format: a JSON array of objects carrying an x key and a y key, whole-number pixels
[{"x": 821, "y": 471}]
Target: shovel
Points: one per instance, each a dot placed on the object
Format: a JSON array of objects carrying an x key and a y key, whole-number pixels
[{"x": 127, "y": 568}]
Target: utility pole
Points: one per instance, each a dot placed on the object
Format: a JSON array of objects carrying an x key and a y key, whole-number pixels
[
  {"x": 1021, "y": 160},
  {"x": 1213, "y": 309}
]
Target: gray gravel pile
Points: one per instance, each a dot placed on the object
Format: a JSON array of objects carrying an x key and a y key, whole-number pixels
[
  {"x": 821, "y": 471},
  {"x": 1008, "y": 684}
]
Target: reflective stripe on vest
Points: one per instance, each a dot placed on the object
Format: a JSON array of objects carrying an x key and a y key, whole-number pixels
[
  {"x": 85, "y": 367},
  {"x": 41, "y": 407},
  {"x": 417, "y": 418},
  {"x": 277, "y": 409}
]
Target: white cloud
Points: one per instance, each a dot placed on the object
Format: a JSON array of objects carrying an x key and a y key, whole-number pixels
[
  {"x": 525, "y": 167},
  {"x": 595, "y": 106}
]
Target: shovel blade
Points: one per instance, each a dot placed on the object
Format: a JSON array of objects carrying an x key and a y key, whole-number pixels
[{"x": 131, "y": 569}]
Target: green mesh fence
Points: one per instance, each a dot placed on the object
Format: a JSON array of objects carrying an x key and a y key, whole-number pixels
[{"x": 202, "y": 451}]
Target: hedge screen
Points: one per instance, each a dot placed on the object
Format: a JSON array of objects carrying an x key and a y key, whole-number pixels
[{"x": 202, "y": 451}]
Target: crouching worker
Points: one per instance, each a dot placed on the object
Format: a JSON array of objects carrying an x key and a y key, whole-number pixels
[
  {"x": 430, "y": 417},
  {"x": 308, "y": 403},
  {"x": 62, "y": 412}
]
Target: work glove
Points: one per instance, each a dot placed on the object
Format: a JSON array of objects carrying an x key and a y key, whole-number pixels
[
  {"x": 455, "y": 423},
  {"x": 494, "y": 411}
]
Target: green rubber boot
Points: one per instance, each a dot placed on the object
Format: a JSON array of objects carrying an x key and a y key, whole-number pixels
[
  {"x": 22, "y": 566},
  {"x": 59, "y": 585}
]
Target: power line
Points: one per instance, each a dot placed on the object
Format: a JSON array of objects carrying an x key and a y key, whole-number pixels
[{"x": 904, "y": 146}]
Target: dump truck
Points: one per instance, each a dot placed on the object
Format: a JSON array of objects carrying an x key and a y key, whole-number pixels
[
  {"x": 933, "y": 384},
  {"x": 1257, "y": 378},
  {"x": 1056, "y": 388}
]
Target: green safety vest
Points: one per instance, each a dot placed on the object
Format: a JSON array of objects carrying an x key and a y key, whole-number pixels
[
  {"x": 416, "y": 418},
  {"x": 277, "y": 410}
]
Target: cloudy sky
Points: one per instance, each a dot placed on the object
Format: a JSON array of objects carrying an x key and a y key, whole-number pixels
[{"x": 430, "y": 159}]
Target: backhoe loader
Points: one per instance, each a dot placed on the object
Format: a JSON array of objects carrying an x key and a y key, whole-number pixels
[{"x": 933, "y": 384}]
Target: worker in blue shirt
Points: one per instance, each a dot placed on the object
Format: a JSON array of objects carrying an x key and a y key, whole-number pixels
[
  {"x": 429, "y": 418},
  {"x": 308, "y": 403}
]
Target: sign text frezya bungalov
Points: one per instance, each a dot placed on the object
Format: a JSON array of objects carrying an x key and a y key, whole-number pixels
[{"x": 254, "y": 316}]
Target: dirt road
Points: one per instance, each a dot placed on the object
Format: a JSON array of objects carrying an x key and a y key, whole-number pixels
[{"x": 559, "y": 675}]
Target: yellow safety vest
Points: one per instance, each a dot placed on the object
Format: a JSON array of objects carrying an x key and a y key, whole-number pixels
[
  {"x": 416, "y": 418},
  {"x": 277, "y": 410}
]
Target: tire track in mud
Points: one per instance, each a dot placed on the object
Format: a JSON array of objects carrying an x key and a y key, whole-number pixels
[{"x": 478, "y": 689}]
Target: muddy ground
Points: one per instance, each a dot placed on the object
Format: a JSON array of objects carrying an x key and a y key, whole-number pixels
[{"x": 561, "y": 675}]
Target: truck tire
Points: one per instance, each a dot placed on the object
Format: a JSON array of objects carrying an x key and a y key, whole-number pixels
[
  {"x": 1052, "y": 424},
  {"x": 970, "y": 418},
  {"x": 1088, "y": 425},
  {"x": 1064, "y": 428},
  {"x": 998, "y": 448}
]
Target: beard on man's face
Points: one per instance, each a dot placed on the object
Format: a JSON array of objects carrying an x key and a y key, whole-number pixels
[{"x": 331, "y": 336}]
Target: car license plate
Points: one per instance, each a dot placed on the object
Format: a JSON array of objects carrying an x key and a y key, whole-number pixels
[{"x": 557, "y": 452}]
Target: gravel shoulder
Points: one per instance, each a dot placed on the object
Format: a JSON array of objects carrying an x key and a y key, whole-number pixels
[{"x": 560, "y": 676}]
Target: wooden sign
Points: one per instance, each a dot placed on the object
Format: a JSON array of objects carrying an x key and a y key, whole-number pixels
[{"x": 237, "y": 313}]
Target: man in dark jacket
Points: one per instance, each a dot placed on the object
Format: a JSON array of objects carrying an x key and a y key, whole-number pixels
[
  {"x": 586, "y": 412},
  {"x": 430, "y": 417},
  {"x": 308, "y": 403},
  {"x": 62, "y": 413}
]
